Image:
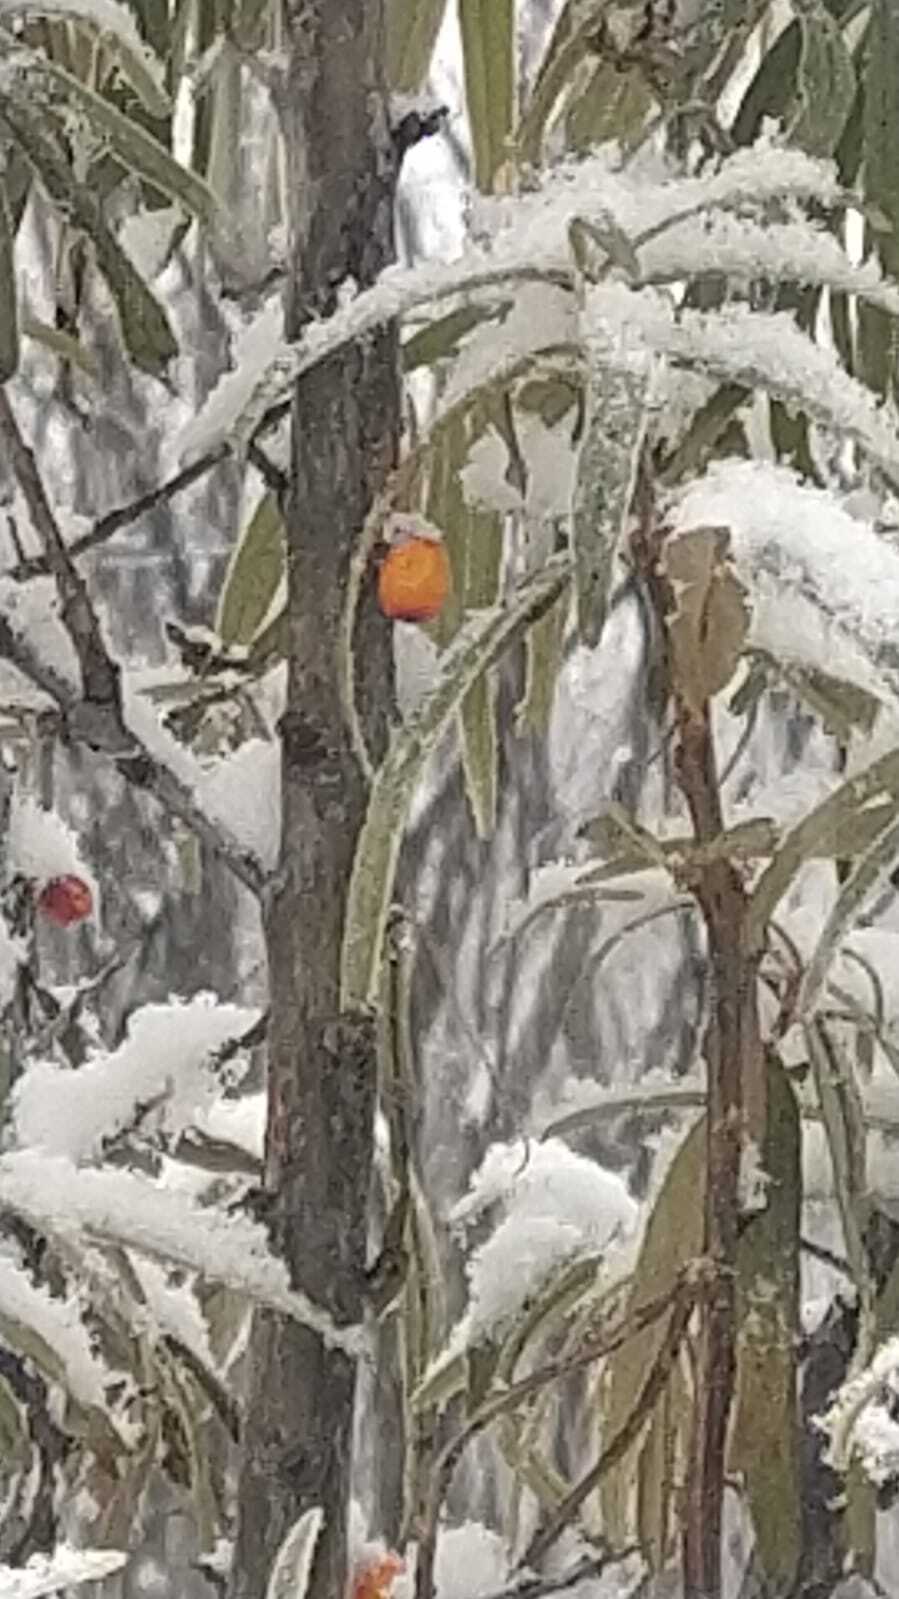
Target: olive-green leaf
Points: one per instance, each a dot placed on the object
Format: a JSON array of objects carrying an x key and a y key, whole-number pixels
[
  {"x": 877, "y": 333},
  {"x": 253, "y": 576},
  {"x": 825, "y": 81},
  {"x": 543, "y": 662},
  {"x": 65, "y": 345},
  {"x": 9, "y": 309},
  {"x": 487, "y": 29},
  {"x": 765, "y": 1398},
  {"x": 614, "y": 433},
  {"x": 614, "y": 105},
  {"x": 477, "y": 717},
  {"x": 441, "y": 339},
  {"x": 136, "y": 148},
  {"x": 707, "y": 631},
  {"x": 412, "y": 27},
  {"x": 673, "y": 1237},
  {"x": 146, "y": 332},
  {"x": 134, "y": 58},
  {"x": 477, "y": 647}
]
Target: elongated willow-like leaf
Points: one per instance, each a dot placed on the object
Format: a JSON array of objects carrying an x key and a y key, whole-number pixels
[
  {"x": 140, "y": 67},
  {"x": 9, "y": 308},
  {"x": 844, "y": 811},
  {"x": 866, "y": 872},
  {"x": 765, "y": 1405},
  {"x": 146, "y": 333},
  {"x": 880, "y": 173},
  {"x": 487, "y": 28},
  {"x": 607, "y": 469},
  {"x": 253, "y": 576},
  {"x": 477, "y": 648},
  {"x": 567, "y": 48},
  {"x": 289, "y": 1577},
  {"x": 825, "y": 81},
  {"x": 412, "y": 27},
  {"x": 673, "y": 1237},
  {"x": 132, "y": 144},
  {"x": 844, "y": 1125}
]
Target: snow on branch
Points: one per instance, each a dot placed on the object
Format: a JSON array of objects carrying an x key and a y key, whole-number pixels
[
  {"x": 758, "y": 350},
  {"x": 858, "y": 1393},
  {"x": 824, "y": 586},
  {"x": 46, "y": 1574},
  {"x": 131, "y": 1210},
  {"x": 529, "y": 240},
  {"x": 165, "y": 1061},
  {"x": 57, "y": 1324}
]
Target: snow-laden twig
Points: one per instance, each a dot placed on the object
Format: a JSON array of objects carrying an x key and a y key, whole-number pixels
[
  {"x": 530, "y": 243},
  {"x": 65, "y": 1568},
  {"x": 839, "y": 1421},
  {"x": 124, "y": 1208}
]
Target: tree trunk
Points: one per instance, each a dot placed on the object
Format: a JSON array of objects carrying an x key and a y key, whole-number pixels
[{"x": 322, "y": 1068}]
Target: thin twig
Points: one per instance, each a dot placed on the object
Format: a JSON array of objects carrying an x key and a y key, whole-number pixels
[
  {"x": 497, "y": 1404},
  {"x": 658, "y": 1376}
]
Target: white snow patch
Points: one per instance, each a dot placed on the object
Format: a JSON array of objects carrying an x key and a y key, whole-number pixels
[{"x": 165, "y": 1057}]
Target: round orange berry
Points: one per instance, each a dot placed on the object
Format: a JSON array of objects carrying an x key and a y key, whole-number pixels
[{"x": 414, "y": 580}]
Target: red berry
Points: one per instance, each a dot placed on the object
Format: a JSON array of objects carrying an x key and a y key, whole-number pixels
[
  {"x": 414, "y": 581},
  {"x": 65, "y": 900}
]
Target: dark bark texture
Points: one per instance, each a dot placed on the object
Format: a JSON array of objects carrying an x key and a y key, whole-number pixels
[{"x": 322, "y": 1067}]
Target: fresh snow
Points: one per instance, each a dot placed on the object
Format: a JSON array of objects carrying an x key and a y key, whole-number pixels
[
  {"x": 164, "y": 1063},
  {"x": 823, "y": 586},
  {"x": 124, "y": 1208},
  {"x": 66, "y": 1567}
]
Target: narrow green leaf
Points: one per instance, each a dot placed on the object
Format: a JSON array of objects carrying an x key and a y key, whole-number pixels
[
  {"x": 875, "y": 788},
  {"x": 478, "y": 646},
  {"x": 765, "y": 1400},
  {"x": 614, "y": 105},
  {"x": 825, "y": 81},
  {"x": 543, "y": 662},
  {"x": 441, "y": 339},
  {"x": 134, "y": 58},
  {"x": 567, "y": 49},
  {"x": 136, "y": 148},
  {"x": 615, "y": 429},
  {"x": 487, "y": 28},
  {"x": 673, "y": 1237},
  {"x": 477, "y": 717},
  {"x": 9, "y": 307},
  {"x": 412, "y": 27},
  {"x": 62, "y": 344},
  {"x": 866, "y": 872},
  {"x": 253, "y": 576},
  {"x": 146, "y": 332},
  {"x": 877, "y": 333}
]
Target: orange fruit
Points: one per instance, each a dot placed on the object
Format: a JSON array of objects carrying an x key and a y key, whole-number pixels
[
  {"x": 65, "y": 900},
  {"x": 375, "y": 1578},
  {"x": 414, "y": 580}
]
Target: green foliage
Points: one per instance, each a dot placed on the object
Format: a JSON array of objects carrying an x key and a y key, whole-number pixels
[{"x": 254, "y": 576}]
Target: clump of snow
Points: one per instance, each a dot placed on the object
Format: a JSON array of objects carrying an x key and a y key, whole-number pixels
[
  {"x": 470, "y": 1561},
  {"x": 242, "y": 793},
  {"x": 46, "y": 1574},
  {"x": 32, "y": 610},
  {"x": 58, "y": 1322},
  {"x": 164, "y": 1058},
  {"x": 132, "y": 1210},
  {"x": 256, "y": 347},
  {"x": 824, "y": 587},
  {"x": 558, "y": 1206},
  {"x": 41, "y": 846},
  {"x": 13, "y": 953}
]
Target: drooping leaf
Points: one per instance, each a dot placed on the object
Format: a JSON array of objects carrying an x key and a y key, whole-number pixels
[
  {"x": 253, "y": 576},
  {"x": 844, "y": 823},
  {"x": 477, "y": 648},
  {"x": 134, "y": 58},
  {"x": 614, "y": 105},
  {"x": 543, "y": 661},
  {"x": 412, "y": 27},
  {"x": 9, "y": 308},
  {"x": 487, "y": 29},
  {"x": 766, "y": 1396},
  {"x": 825, "y": 81},
  {"x": 146, "y": 332},
  {"x": 673, "y": 1237},
  {"x": 877, "y": 333},
  {"x": 707, "y": 631},
  {"x": 289, "y": 1576},
  {"x": 441, "y": 338},
  {"x": 61, "y": 344},
  {"x": 614, "y": 433}
]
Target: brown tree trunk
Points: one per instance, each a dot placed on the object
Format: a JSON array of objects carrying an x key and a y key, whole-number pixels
[{"x": 322, "y": 1071}]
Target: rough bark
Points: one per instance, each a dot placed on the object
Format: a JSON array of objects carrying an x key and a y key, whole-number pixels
[{"x": 322, "y": 1073}]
